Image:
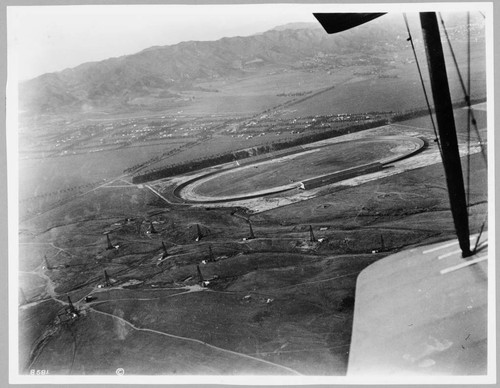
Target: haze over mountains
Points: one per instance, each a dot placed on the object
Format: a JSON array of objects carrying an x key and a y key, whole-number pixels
[{"x": 164, "y": 72}]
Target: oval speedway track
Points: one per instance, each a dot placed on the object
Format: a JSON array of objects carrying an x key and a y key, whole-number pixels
[{"x": 287, "y": 172}]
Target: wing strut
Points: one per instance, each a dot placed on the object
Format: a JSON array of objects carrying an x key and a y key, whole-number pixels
[
  {"x": 337, "y": 22},
  {"x": 446, "y": 128}
]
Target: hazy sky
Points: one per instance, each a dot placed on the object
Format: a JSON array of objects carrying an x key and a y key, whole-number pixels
[
  {"x": 52, "y": 38},
  {"x": 44, "y": 39}
]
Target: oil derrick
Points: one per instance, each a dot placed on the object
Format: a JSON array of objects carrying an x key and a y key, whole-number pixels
[
  {"x": 198, "y": 230},
  {"x": 71, "y": 311},
  {"x": 251, "y": 230},
  {"x": 210, "y": 254},
  {"x": 152, "y": 228},
  {"x": 47, "y": 266},
  {"x": 110, "y": 246},
  {"x": 24, "y": 300},
  {"x": 107, "y": 282},
  {"x": 311, "y": 235},
  {"x": 200, "y": 276},
  {"x": 165, "y": 253},
  {"x": 71, "y": 308}
]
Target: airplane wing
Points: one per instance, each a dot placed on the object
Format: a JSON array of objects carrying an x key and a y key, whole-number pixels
[{"x": 422, "y": 312}]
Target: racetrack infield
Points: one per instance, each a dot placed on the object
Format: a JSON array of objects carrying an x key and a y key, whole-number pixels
[{"x": 287, "y": 172}]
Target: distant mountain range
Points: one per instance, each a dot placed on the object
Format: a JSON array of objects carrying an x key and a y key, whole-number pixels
[{"x": 165, "y": 71}]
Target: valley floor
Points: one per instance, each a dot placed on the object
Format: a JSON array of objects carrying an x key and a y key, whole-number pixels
[{"x": 280, "y": 303}]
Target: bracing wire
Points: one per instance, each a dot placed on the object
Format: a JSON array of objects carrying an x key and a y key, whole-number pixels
[
  {"x": 479, "y": 236},
  {"x": 468, "y": 110},
  {"x": 470, "y": 114},
  {"x": 467, "y": 97},
  {"x": 410, "y": 39}
]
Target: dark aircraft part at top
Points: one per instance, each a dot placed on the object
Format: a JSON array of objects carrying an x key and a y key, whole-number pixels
[{"x": 337, "y": 22}]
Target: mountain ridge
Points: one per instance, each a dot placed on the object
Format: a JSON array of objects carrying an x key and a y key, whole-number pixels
[{"x": 166, "y": 70}]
